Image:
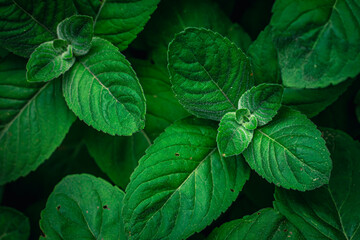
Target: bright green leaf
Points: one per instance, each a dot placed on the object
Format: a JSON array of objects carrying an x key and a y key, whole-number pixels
[
  {"x": 102, "y": 89},
  {"x": 83, "y": 207},
  {"x": 246, "y": 119},
  {"x": 208, "y": 72},
  {"x": 49, "y": 61},
  {"x": 182, "y": 183},
  {"x": 25, "y": 24},
  {"x": 317, "y": 41},
  {"x": 34, "y": 120},
  {"x": 263, "y": 101},
  {"x": 330, "y": 212},
  {"x": 232, "y": 138},
  {"x": 290, "y": 152},
  {"x": 13, "y": 224}
]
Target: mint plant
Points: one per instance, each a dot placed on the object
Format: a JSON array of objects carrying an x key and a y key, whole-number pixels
[{"x": 166, "y": 120}]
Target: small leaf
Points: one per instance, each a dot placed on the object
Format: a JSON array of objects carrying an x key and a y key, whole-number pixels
[
  {"x": 290, "y": 152},
  {"x": 13, "y": 225},
  {"x": 265, "y": 224},
  {"x": 246, "y": 119},
  {"x": 208, "y": 72},
  {"x": 49, "y": 61},
  {"x": 102, "y": 90},
  {"x": 263, "y": 101},
  {"x": 232, "y": 138},
  {"x": 83, "y": 207},
  {"x": 78, "y": 31}
]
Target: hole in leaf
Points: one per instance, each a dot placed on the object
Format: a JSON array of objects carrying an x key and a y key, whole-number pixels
[
  {"x": 258, "y": 213},
  {"x": 285, "y": 230},
  {"x": 105, "y": 207},
  {"x": 177, "y": 154},
  {"x": 232, "y": 190},
  {"x": 58, "y": 207}
]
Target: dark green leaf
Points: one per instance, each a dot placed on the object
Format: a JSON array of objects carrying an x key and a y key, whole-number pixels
[
  {"x": 13, "y": 225},
  {"x": 102, "y": 89},
  {"x": 208, "y": 72},
  {"x": 290, "y": 152},
  {"x": 182, "y": 183}
]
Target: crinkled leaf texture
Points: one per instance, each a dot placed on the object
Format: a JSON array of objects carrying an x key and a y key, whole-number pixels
[
  {"x": 182, "y": 183},
  {"x": 102, "y": 90},
  {"x": 265, "y": 224},
  {"x": 330, "y": 212},
  {"x": 34, "y": 120},
  {"x": 78, "y": 31},
  {"x": 317, "y": 41},
  {"x": 208, "y": 72},
  {"x": 290, "y": 152},
  {"x": 13, "y": 224},
  {"x": 83, "y": 207},
  {"x": 25, "y": 24},
  {"x": 118, "y": 21},
  {"x": 48, "y": 62}
]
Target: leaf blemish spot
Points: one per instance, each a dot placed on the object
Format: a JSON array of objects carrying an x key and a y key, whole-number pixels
[
  {"x": 105, "y": 207},
  {"x": 232, "y": 190},
  {"x": 177, "y": 154},
  {"x": 58, "y": 207}
]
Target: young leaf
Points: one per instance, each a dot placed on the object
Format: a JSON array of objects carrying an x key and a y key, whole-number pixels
[
  {"x": 49, "y": 61},
  {"x": 263, "y": 101},
  {"x": 24, "y": 25},
  {"x": 290, "y": 152},
  {"x": 117, "y": 21},
  {"x": 34, "y": 120},
  {"x": 265, "y": 224},
  {"x": 182, "y": 183},
  {"x": 316, "y": 41},
  {"x": 232, "y": 138},
  {"x": 102, "y": 90},
  {"x": 330, "y": 212},
  {"x": 83, "y": 207},
  {"x": 13, "y": 224},
  {"x": 78, "y": 31},
  {"x": 208, "y": 72},
  {"x": 245, "y": 118}
]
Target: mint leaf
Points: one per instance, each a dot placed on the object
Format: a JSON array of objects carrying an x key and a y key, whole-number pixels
[
  {"x": 165, "y": 196},
  {"x": 316, "y": 41},
  {"x": 24, "y": 25},
  {"x": 267, "y": 221},
  {"x": 246, "y": 119},
  {"x": 290, "y": 152},
  {"x": 232, "y": 138},
  {"x": 72, "y": 212},
  {"x": 208, "y": 72},
  {"x": 49, "y": 61},
  {"x": 102, "y": 90},
  {"x": 34, "y": 120},
  {"x": 78, "y": 31},
  {"x": 263, "y": 101},
  {"x": 13, "y": 224},
  {"x": 330, "y": 212}
]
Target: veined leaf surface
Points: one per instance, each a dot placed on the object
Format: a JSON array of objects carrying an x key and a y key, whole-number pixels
[{"x": 13, "y": 225}]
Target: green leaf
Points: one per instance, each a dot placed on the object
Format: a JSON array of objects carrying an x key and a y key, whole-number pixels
[
  {"x": 24, "y": 25},
  {"x": 83, "y": 207},
  {"x": 208, "y": 72},
  {"x": 330, "y": 212},
  {"x": 317, "y": 42},
  {"x": 78, "y": 31},
  {"x": 182, "y": 183},
  {"x": 118, "y": 21},
  {"x": 13, "y": 224},
  {"x": 117, "y": 156},
  {"x": 290, "y": 152},
  {"x": 265, "y": 224},
  {"x": 232, "y": 138},
  {"x": 245, "y": 118},
  {"x": 49, "y": 61},
  {"x": 34, "y": 120},
  {"x": 263, "y": 101},
  {"x": 102, "y": 90}
]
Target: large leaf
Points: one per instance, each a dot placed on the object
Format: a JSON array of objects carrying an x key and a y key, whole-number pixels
[
  {"x": 102, "y": 89},
  {"x": 34, "y": 120},
  {"x": 317, "y": 41},
  {"x": 208, "y": 72},
  {"x": 331, "y": 212},
  {"x": 265, "y": 224},
  {"x": 13, "y": 225},
  {"x": 83, "y": 207},
  {"x": 182, "y": 183},
  {"x": 25, "y": 24},
  {"x": 290, "y": 152},
  {"x": 118, "y": 21}
]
